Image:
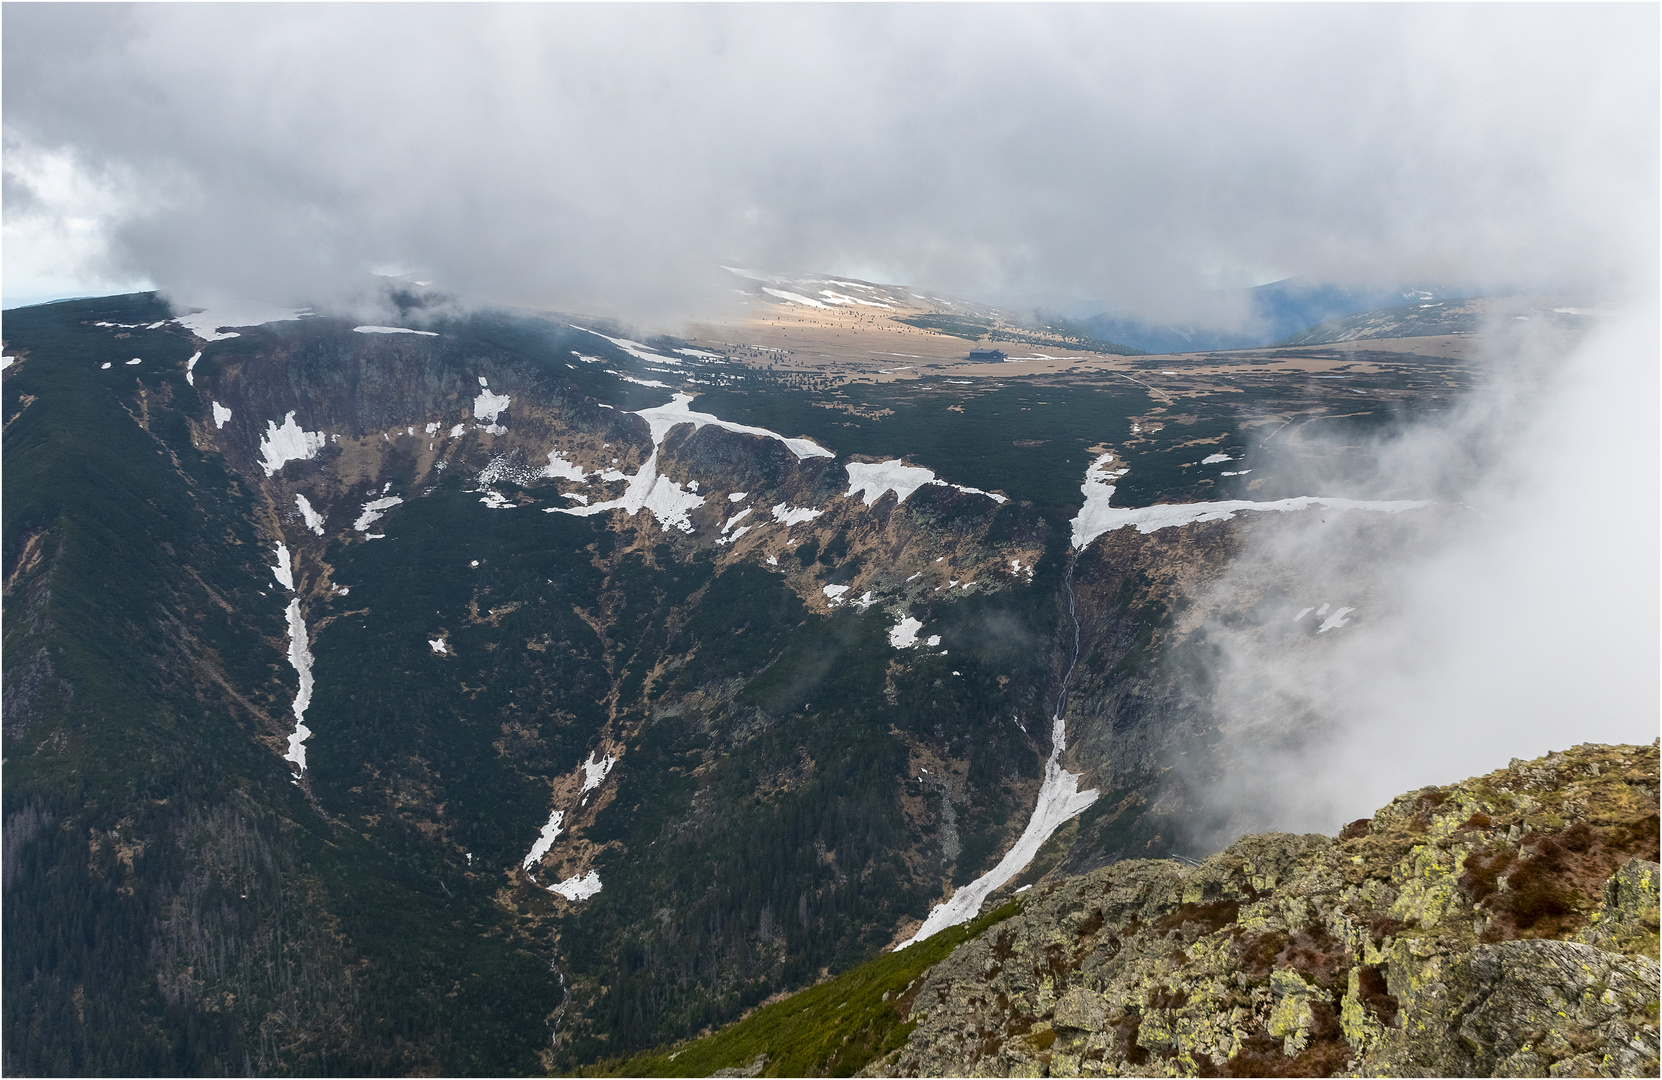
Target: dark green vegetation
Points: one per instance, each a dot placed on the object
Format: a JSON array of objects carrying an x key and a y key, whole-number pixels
[
  {"x": 833, "y": 1029},
  {"x": 177, "y": 902}
]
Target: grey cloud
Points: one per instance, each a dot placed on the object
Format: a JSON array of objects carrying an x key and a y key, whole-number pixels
[
  {"x": 1516, "y": 617},
  {"x": 607, "y": 157}
]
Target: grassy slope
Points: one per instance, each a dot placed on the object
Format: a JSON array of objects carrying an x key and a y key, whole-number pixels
[{"x": 833, "y": 1029}]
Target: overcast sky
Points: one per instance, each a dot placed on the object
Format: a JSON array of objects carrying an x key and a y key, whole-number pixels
[{"x": 608, "y": 157}]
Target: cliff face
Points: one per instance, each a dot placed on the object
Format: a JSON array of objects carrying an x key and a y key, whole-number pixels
[{"x": 1504, "y": 926}]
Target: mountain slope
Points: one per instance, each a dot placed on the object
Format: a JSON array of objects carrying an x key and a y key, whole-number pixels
[
  {"x": 493, "y": 694},
  {"x": 1506, "y": 925}
]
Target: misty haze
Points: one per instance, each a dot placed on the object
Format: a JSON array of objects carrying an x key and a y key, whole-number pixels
[{"x": 763, "y": 540}]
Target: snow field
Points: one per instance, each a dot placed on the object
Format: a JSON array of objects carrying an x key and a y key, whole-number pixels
[
  {"x": 313, "y": 519},
  {"x": 284, "y": 570},
  {"x": 1097, "y": 516},
  {"x": 290, "y": 442},
  {"x": 545, "y": 840}
]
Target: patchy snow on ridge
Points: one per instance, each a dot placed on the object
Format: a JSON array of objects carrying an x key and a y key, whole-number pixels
[
  {"x": 488, "y": 406},
  {"x": 560, "y": 467},
  {"x": 871, "y": 482},
  {"x": 291, "y": 442},
  {"x": 391, "y": 330},
  {"x": 206, "y": 324},
  {"x": 735, "y": 519},
  {"x": 578, "y": 888},
  {"x": 633, "y": 348},
  {"x": 374, "y": 510},
  {"x": 222, "y": 415},
  {"x": 904, "y": 634},
  {"x": 654, "y": 383},
  {"x": 1098, "y": 487},
  {"x": 646, "y": 491},
  {"x": 190, "y": 369},
  {"x": 669, "y": 504},
  {"x": 595, "y": 771},
  {"x": 545, "y": 840},
  {"x": 795, "y": 298},
  {"x": 1097, "y": 516},
  {"x": 1335, "y": 620},
  {"x": 662, "y": 418},
  {"x": 300, "y": 657},
  {"x": 284, "y": 570},
  {"x": 794, "y": 515},
  {"x": 503, "y": 467}
]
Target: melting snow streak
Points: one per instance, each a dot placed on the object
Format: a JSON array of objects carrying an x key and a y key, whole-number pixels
[
  {"x": 1097, "y": 516},
  {"x": 300, "y": 656},
  {"x": 544, "y": 841}
]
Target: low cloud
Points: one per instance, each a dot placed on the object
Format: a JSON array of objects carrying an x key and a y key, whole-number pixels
[
  {"x": 608, "y": 157},
  {"x": 1517, "y": 616}
]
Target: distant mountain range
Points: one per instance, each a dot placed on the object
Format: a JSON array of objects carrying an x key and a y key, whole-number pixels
[{"x": 1279, "y": 309}]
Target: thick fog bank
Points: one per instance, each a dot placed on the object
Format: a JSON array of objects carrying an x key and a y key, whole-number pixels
[
  {"x": 1518, "y": 616},
  {"x": 608, "y": 157}
]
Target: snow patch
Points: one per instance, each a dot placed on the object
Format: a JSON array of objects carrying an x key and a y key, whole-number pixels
[
  {"x": 284, "y": 570},
  {"x": 300, "y": 657},
  {"x": 438, "y": 646},
  {"x": 545, "y": 840},
  {"x": 391, "y": 330},
  {"x": 373, "y": 511},
  {"x": 795, "y": 298},
  {"x": 222, "y": 415},
  {"x": 834, "y": 593},
  {"x": 488, "y": 406},
  {"x": 190, "y": 369},
  {"x": 495, "y": 501},
  {"x": 738, "y": 496},
  {"x": 1097, "y": 516},
  {"x": 206, "y": 324},
  {"x": 904, "y": 634},
  {"x": 664, "y": 417},
  {"x": 669, "y": 504},
  {"x": 734, "y": 520},
  {"x": 291, "y": 442},
  {"x": 1059, "y": 800},
  {"x": 1335, "y": 620},
  {"x": 654, "y": 383},
  {"x": 1215, "y": 459},
  {"x": 871, "y": 482},
  {"x": 578, "y": 887},
  {"x": 595, "y": 771},
  {"x": 794, "y": 515},
  {"x": 134, "y": 360},
  {"x": 560, "y": 467}
]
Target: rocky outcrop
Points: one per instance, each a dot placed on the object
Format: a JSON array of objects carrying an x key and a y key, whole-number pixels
[{"x": 1505, "y": 926}]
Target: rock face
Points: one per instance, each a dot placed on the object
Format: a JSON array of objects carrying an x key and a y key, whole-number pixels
[{"x": 1505, "y": 926}]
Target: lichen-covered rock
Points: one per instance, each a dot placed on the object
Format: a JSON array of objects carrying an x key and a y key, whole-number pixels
[{"x": 1506, "y": 926}]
